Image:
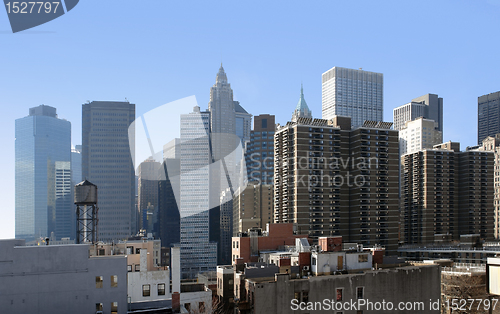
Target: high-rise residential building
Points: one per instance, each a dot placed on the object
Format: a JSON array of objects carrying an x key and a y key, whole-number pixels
[
  {"x": 252, "y": 207},
  {"x": 488, "y": 116},
  {"x": 43, "y": 156},
  {"x": 353, "y": 93},
  {"x": 260, "y": 150},
  {"x": 107, "y": 162},
  {"x": 428, "y": 106},
  {"x": 333, "y": 181},
  {"x": 419, "y": 134},
  {"x": 198, "y": 253},
  {"x": 492, "y": 143},
  {"x": 148, "y": 194},
  {"x": 445, "y": 192},
  {"x": 228, "y": 123},
  {"x": 253, "y": 203}
]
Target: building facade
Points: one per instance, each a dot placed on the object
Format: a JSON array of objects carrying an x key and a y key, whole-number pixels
[
  {"x": 252, "y": 207},
  {"x": 148, "y": 195},
  {"x": 334, "y": 181},
  {"x": 488, "y": 116},
  {"x": 353, "y": 93},
  {"x": 229, "y": 129},
  {"x": 419, "y": 134},
  {"x": 107, "y": 162},
  {"x": 198, "y": 253},
  {"x": 31, "y": 282},
  {"x": 428, "y": 106},
  {"x": 260, "y": 150},
  {"x": 168, "y": 227},
  {"x": 492, "y": 143},
  {"x": 43, "y": 161},
  {"x": 446, "y": 192}
]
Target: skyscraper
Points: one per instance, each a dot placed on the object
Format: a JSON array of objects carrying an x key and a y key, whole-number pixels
[
  {"x": 76, "y": 164},
  {"x": 168, "y": 228},
  {"x": 229, "y": 127},
  {"x": 488, "y": 116},
  {"x": 43, "y": 155},
  {"x": 197, "y": 252},
  {"x": 428, "y": 106},
  {"x": 148, "y": 194},
  {"x": 419, "y": 134},
  {"x": 243, "y": 122},
  {"x": 107, "y": 162},
  {"x": 260, "y": 150},
  {"x": 353, "y": 93}
]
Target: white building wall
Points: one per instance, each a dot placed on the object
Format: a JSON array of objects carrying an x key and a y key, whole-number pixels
[
  {"x": 136, "y": 280},
  {"x": 194, "y": 299},
  {"x": 419, "y": 134}
]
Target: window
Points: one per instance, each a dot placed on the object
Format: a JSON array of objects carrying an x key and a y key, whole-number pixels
[
  {"x": 187, "y": 306},
  {"x": 339, "y": 294},
  {"x": 359, "y": 292},
  {"x": 114, "y": 281},
  {"x": 201, "y": 307},
  {"x": 137, "y": 267},
  {"x": 296, "y": 296},
  {"x": 314, "y": 260},
  {"x": 114, "y": 307},
  {"x": 146, "y": 290},
  {"x": 305, "y": 296},
  {"x": 98, "y": 307},
  {"x": 129, "y": 268},
  {"x": 98, "y": 282},
  {"x": 138, "y": 251},
  {"x": 161, "y": 289},
  {"x": 363, "y": 258}
]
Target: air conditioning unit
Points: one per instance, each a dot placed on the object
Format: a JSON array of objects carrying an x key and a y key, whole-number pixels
[{"x": 306, "y": 268}]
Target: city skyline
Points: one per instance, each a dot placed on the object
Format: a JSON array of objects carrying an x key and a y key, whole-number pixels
[{"x": 263, "y": 81}]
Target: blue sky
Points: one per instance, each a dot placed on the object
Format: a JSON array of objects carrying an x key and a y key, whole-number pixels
[{"x": 153, "y": 52}]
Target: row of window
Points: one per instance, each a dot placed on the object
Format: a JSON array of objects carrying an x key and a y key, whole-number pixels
[
  {"x": 146, "y": 290},
  {"x": 99, "y": 281}
]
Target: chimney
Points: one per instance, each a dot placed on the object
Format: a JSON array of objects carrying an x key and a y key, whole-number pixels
[{"x": 175, "y": 258}]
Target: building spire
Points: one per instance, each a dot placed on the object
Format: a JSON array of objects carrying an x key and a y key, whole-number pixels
[
  {"x": 301, "y": 110},
  {"x": 221, "y": 75}
]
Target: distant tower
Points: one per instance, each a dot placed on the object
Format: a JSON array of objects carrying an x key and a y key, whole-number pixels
[
  {"x": 302, "y": 110},
  {"x": 86, "y": 212},
  {"x": 352, "y": 93}
]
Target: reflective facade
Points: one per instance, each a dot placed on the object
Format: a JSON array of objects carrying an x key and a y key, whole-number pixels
[
  {"x": 197, "y": 252},
  {"x": 43, "y": 148},
  {"x": 107, "y": 162}
]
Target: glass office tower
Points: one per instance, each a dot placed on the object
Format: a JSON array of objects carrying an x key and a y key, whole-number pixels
[{"x": 43, "y": 155}]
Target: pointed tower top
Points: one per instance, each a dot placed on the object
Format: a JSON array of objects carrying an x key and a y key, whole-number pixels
[
  {"x": 302, "y": 105},
  {"x": 301, "y": 110},
  {"x": 221, "y": 76}
]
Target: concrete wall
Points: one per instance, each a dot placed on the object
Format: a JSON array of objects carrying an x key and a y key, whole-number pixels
[
  {"x": 59, "y": 279},
  {"x": 406, "y": 284}
]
